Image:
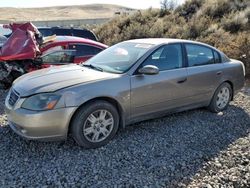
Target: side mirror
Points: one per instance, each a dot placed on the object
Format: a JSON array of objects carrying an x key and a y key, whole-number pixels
[{"x": 149, "y": 70}]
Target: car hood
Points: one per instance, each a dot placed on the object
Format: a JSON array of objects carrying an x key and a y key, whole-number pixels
[{"x": 55, "y": 78}]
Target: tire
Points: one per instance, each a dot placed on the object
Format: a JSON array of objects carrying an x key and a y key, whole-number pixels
[
  {"x": 221, "y": 98},
  {"x": 95, "y": 124}
]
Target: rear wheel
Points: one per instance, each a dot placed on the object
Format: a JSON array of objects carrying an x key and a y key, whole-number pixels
[
  {"x": 221, "y": 98},
  {"x": 95, "y": 124}
]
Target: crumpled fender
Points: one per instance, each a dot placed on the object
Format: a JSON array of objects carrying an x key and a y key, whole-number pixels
[{"x": 22, "y": 44}]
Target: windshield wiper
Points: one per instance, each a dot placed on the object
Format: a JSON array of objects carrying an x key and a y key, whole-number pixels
[{"x": 93, "y": 67}]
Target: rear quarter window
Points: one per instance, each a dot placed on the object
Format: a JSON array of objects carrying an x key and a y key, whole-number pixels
[
  {"x": 217, "y": 58},
  {"x": 224, "y": 58}
]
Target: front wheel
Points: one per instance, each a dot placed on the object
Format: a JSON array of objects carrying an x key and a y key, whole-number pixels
[
  {"x": 95, "y": 124},
  {"x": 221, "y": 98}
]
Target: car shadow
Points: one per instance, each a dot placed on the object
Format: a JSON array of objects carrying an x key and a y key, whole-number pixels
[{"x": 164, "y": 151}]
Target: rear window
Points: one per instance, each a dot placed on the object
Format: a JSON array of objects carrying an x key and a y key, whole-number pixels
[
  {"x": 84, "y": 34},
  {"x": 63, "y": 32},
  {"x": 46, "y": 32},
  {"x": 68, "y": 32}
]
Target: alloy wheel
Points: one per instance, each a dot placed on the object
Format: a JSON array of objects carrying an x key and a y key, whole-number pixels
[
  {"x": 223, "y": 98},
  {"x": 98, "y": 126}
]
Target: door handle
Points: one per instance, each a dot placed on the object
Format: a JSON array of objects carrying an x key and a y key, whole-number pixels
[
  {"x": 182, "y": 80},
  {"x": 219, "y": 72}
]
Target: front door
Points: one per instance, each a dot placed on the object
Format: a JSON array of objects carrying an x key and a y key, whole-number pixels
[{"x": 166, "y": 90}]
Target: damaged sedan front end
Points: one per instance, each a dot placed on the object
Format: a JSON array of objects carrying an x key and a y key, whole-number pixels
[{"x": 19, "y": 51}]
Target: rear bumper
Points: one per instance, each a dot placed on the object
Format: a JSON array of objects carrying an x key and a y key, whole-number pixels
[{"x": 43, "y": 125}]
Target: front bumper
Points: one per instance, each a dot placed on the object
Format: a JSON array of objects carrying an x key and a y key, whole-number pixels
[{"x": 39, "y": 125}]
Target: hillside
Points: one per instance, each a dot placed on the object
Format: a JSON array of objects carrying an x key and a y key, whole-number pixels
[{"x": 61, "y": 12}]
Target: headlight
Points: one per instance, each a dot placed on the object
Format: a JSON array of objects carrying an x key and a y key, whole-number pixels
[{"x": 45, "y": 101}]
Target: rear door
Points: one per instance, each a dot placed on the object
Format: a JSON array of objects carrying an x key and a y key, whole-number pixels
[
  {"x": 166, "y": 90},
  {"x": 204, "y": 70}
]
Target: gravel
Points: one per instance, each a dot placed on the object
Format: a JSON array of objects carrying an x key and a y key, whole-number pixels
[{"x": 189, "y": 149}]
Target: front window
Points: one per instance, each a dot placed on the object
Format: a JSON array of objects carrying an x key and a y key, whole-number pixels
[
  {"x": 59, "y": 57},
  {"x": 166, "y": 57},
  {"x": 53, "y": 49},
  {"x": 120, "y": 57}
]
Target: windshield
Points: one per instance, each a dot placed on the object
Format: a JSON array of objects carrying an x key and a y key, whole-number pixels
[{"x": 120, "y": 57}]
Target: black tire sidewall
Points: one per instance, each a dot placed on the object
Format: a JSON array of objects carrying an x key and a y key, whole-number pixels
[
  {"x": 82, "y": 115},
  {"x": 213, "y": 106}
]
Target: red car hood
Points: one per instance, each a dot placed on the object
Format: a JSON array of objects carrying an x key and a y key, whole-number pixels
[{"x": 21, "y": 44}]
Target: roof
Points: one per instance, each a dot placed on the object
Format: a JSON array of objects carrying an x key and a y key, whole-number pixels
[
  {"x": 63, "y": 28},
  {"x": 71, "y": 39},
  {"x": 77, "y": 39},
  {"x": 157, "y": 41}
]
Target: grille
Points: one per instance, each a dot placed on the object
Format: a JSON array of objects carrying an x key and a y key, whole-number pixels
[{"x": 13, "y": 97}]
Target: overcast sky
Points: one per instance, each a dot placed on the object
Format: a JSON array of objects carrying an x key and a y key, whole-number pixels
[{"x": 139, "y": 4}]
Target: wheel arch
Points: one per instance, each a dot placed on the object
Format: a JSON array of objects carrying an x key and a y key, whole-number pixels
[{"x": 112, "y": 101}]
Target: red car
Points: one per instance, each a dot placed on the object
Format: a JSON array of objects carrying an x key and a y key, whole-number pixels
[
  {"x": 26, "y": 50},
  {"x": 68, "y": 49}
]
